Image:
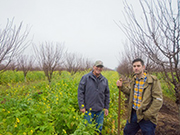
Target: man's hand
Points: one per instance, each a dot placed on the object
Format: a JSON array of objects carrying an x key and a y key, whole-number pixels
[
  {"x": 119, "y": 82},
  {"x": 83, "y": 110},
  {"x": 106, "y": 112}
]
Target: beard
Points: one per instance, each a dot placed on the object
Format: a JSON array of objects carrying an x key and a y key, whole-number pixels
[{"x": 138, "y": 73}]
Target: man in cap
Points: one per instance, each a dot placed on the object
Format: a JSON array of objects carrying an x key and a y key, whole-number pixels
[{"x": 94, "y": 95}]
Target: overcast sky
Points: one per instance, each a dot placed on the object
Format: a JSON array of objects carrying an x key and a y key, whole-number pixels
[{"x": 84, "y": 26}]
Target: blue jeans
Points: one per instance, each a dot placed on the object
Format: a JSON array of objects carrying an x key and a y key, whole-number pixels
[
  {"x": 98, "y": 117},
  {"x": 146, "y": 126}
]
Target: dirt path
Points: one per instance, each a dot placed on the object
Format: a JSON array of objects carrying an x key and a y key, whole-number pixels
[{"x": 168, "y": 123}]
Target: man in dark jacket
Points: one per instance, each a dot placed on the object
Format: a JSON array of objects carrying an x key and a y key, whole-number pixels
[
  {"x": 94, "y": 95},
  {"x": 145, "y": 100}
]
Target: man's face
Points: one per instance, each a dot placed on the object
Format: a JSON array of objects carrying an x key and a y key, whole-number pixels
[
  {"x": 138, "y": 68},
  {"x": 97, "y": 70}
]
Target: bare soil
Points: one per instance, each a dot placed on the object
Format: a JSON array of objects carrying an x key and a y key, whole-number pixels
[{"x": 168, "y": 119}]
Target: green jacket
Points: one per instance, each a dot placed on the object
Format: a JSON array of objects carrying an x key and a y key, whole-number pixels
[{"x": 152, "y": 99}]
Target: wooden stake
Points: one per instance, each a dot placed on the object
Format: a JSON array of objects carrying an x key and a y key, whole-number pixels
[{"x": 119, "y": 111}]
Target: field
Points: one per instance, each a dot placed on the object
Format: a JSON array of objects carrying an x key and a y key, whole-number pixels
[{"x": 34, "y": 107}]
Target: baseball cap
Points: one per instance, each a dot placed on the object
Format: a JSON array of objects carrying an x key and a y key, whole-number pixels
[{"x": 98, "y": 63}]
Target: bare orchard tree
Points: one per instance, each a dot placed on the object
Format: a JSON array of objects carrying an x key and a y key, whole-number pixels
[
  {"x": 86, "y": 64},
  {"x": 49, "y": 57},
  {"x": 12, "y": 43},
  {"x": 124, "y": 68},
  {"x": 25, "y": 63},
  {"x": 73, "y": 62},
  {"x": 157, "y": 36},
  {"x": 127, "y": 56},
  {"x": 76, "y": 62},
  {"x": 130, "y": 53},
  {"x": 12, "y": 65}
]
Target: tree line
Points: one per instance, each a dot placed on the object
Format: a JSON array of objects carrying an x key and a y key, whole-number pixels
[{"x": 48, "y": 56}]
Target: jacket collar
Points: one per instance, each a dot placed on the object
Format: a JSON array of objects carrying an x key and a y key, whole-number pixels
[
  {"x": 148, "y": 81},
  {"x": 94, "y": 77},
  {"x": 143, "y": 76}
]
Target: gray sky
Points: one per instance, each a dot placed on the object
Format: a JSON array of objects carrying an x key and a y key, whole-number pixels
[{"x": 84, "y": 26}]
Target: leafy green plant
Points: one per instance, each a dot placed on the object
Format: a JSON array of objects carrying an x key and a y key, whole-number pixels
[{"x": 37, "y": 108}]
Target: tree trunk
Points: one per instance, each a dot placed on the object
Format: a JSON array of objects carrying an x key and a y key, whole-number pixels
[
  {"x": 119, "y": 112},
  {"x": 25, "y": 74}
]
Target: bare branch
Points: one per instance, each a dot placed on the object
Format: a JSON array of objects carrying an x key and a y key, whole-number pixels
[
  {"x": 12, "y": 42},
  {"x": 50, "y": 57},
  {"x": 157, "y": 36}
]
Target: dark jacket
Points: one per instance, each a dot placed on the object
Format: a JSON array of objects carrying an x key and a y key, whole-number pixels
[
  {"x": 93, "y": 92},
  {"x": 152, "y": 99}
]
